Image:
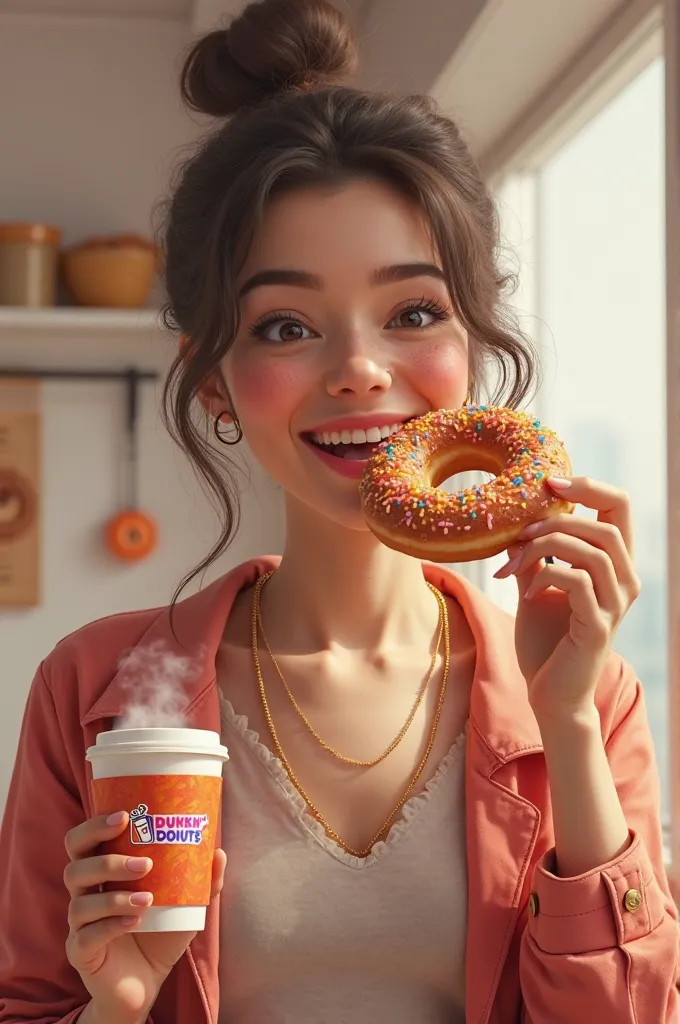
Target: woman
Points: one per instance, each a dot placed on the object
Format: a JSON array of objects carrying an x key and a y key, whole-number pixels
[{"x": 432, "y": 812}]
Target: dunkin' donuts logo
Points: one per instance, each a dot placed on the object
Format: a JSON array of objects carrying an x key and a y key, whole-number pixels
[{"x": 167, "y": 829}]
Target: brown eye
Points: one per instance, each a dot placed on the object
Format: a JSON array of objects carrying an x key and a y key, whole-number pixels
[
  {"x": 280, "y": 330},
  {"x": 289, "y": 331},
  {"x": 417, "y": 318},
  {"x": 413, "y": 318}
]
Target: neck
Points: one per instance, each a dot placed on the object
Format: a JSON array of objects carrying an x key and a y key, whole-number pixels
[{"x": 337, "y": 586}]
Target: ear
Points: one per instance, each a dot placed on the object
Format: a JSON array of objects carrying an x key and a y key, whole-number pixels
[{"x": 213, "y": 394}]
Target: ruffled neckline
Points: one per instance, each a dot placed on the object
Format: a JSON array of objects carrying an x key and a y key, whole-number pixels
[{"x": 413, "y": 807}]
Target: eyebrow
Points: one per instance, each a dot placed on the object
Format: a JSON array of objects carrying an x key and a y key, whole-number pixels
[{"x": 304, "y": 279}]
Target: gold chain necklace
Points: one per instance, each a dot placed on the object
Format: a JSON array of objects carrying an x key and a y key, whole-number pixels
[
  {"x": 412, "y": 714},
  {"x": 382, "y": 831}
]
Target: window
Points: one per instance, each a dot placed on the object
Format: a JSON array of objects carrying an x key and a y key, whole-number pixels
[{"x": 588, "y": 226}]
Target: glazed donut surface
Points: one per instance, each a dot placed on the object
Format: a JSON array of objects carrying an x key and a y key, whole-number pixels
[{"x": 407, "y": 510}]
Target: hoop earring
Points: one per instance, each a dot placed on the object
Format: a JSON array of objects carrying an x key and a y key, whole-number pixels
[{"x": 222, "y": 436}]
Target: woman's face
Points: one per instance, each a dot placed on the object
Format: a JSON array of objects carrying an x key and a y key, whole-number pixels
[{"x": 346, "y": 331}]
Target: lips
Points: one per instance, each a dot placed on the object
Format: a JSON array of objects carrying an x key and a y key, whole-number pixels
[
  {"x": 355, "y": 444},
  {"x": 347, "y": 445}
]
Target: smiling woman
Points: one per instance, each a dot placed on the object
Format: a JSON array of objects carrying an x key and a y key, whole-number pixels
[
  {"x": 432, "y": 812},
  {"x": 305, "y": 262}
]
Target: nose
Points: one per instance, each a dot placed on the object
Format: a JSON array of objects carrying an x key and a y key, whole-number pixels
[{"x": 357, "y": 373}]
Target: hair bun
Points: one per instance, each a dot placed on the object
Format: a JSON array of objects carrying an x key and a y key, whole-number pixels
[{"x": 272, "y": 46}]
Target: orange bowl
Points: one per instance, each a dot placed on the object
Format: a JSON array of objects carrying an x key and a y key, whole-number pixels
[{"x": 117, "y": 273}]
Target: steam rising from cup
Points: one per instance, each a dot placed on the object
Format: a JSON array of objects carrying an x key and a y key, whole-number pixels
[{"x": 157, "y": 680}]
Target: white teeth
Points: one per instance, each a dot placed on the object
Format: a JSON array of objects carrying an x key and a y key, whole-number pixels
[{"x": 373, "y": 434}]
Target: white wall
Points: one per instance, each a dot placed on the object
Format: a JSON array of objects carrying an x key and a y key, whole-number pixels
[{"x": 87, "y": 142}]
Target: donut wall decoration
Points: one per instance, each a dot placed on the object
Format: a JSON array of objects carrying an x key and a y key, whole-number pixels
[
  {"x": 131, "y": 534},
  {"x": 20, "y": 430}
]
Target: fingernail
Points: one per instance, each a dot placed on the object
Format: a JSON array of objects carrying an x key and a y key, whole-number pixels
[
  {"x": 116, "y": 819},
  {"x": 141, "y": 899},
  {"x": 138, "y": 863},
  {"x": 508, "y": 568},
  {"x": 531, "y": 530},
  {"x": 127, "y": 921},
  {"x": 559, "y": 481}
]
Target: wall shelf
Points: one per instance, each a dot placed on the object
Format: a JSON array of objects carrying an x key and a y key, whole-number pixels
[{"x": 75, "y": 319}]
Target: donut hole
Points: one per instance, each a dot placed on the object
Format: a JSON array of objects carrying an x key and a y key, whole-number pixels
[
  {"x": 469, "y": 478},
  {"x": 462, "y": 469}
]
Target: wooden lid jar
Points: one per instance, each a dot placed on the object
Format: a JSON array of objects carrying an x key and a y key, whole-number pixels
[{"x": 29, "y": 255}]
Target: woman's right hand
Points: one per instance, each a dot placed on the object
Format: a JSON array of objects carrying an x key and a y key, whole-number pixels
[{"x": 122, "y": 971}]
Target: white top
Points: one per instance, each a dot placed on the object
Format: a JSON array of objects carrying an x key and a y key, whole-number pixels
[{"x": 312, "y": 934}]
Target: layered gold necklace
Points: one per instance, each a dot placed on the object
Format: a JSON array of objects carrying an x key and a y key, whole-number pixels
[{"x": 442, "y": 634}]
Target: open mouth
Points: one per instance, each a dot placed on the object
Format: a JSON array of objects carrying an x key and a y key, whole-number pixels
[{"x": 351, "y": 445}]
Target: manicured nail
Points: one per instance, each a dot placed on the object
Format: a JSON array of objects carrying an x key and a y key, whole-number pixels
[
  {"x": 141, "y": 899},
  {"x": 138, "y": 863},
  {"x": 559, "y": 481},
  {"x": 127, "y": 921},
  {"x": 508, "y": 568},
  {"x": 116, "y": 819},
  {"x": 531, "y": 530}
]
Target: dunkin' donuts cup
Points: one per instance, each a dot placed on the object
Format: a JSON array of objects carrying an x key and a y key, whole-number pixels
[{"x": 170, "y": 783}]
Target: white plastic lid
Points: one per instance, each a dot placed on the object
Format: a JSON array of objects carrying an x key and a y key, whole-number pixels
[{"x": 202, "y": 742}]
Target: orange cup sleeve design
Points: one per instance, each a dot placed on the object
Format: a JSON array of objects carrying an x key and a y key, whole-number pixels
[{"x": 173, "y": 820}]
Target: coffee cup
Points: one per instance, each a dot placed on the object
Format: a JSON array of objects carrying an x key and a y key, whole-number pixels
[{"x": 170, "y": 782}]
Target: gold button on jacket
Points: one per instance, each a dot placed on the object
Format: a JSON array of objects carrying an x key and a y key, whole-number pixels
[{"x": 632, "y": 900}]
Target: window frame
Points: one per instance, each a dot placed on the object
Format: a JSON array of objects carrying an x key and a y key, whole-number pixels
[
  {"x": 640, "y": 33},
  {"x": 672, "y": 48}
]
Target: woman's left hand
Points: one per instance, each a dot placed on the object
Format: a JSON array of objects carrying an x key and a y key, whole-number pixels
[{"x": 568, "y": 614}]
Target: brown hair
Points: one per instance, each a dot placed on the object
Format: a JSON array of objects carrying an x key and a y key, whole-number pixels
[{"x": 275, "y": 74}]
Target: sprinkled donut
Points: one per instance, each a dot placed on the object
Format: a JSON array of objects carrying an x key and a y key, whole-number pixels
[{"x": 407, "y": 511}]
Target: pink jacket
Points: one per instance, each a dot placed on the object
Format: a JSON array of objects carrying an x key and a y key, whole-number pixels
[{"x": 581, "y": 957}]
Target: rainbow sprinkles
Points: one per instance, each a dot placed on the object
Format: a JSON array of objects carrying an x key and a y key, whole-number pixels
[{"x": 407, "y": 510}]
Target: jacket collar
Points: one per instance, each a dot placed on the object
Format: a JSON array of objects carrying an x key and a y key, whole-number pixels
[{"x": 499, "y": 709}]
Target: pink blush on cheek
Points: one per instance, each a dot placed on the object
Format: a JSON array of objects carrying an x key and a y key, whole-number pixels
[
  {"x": 265, "y": 388},
  {"x": 438, "y": 372}
]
